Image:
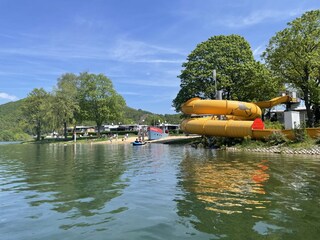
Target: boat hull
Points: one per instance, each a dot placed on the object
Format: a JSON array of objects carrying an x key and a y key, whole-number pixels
[
  {"x": 155, "y": 133},
  {"x": 138, "y": 143}
]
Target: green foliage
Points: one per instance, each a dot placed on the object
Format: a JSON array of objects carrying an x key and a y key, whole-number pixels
[
  {"x": 13, "y": 127},
  {"x": 98, "y": 99},
  {"x": 293, "y": 56},
  {"x": 177, "y": 132},
  {"x": 273, "y": 125},
  {"x": 10, "y": 126},
  {"x": 87, "y": 99},
  {"x": 216, "y": 142},
  {"x": 277, "y": 138},
  {"x": 134, "y": 116},
  {"x": 153, "y": 119},
  {"x": 256, "y": 84},
  {"x": 65, "y": 106},
  {"x": 35, "y": 111},
  {"x": 238, "y": 74},
  {"x": 300, "y": 134},
  {"x": 249, "y": 143},
  {"x": 172, "y": 118},
  {"x": 7, "y": 135},
  {"x": 144, "y": 117}
]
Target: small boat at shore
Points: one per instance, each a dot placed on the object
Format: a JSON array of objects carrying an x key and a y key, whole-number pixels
[
  {"x": 138, "y": 143},
  {"x": 155, "y": 133}
]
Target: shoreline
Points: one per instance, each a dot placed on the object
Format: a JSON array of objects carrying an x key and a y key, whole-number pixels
[
  {"x": 129, "y": 140},
  {"x": 166, "y": 140},
  {"x": 313, "y": 151},
  {"x": 183, "y": 140}
]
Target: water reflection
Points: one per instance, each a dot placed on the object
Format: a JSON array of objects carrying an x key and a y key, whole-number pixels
[
  {"x": 76, "y": 179},
  {"x": 225, "y": 186},
  {"x": 236, "y": 195},
  {"x": 155, "y": 192}
]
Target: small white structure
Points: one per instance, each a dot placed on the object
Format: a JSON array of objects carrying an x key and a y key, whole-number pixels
[{"x": 291, "y": 119}]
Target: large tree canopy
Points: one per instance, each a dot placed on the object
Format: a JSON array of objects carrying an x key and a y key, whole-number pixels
[
  {"x": 98, "y": 99},
  {"x": 294, "y": 55},
  {"x": 238, "y": 74},
  {"x": 66, "y": 103},
  {"x": 35, "y": 110}
]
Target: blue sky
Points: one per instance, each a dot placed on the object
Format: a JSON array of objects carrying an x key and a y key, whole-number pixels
[{"x": 139, "y": 44}]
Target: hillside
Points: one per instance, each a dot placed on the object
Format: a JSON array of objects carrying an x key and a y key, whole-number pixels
[
  {"x": 11, "y": 129},
  {"x": 134, "y": 115}
]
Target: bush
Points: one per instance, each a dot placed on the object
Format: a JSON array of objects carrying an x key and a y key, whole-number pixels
[
  {"x": 218, "y": 142},
  {"x": 300, "y": 135},
  {"x": 8, "y": 135},
  {"x": 273, "y": 125},
  {"x": 176, "y": 132},
  {"x": 277, "y": 138}
]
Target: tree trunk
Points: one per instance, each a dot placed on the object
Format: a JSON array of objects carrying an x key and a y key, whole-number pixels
[
  {"x": 38, "y": 130},
  {"x": 98, "y": 126},
  {"x": 65, "y": 133},
  {"x": 316, "y": 111},
  {"x": 308, "y": 108}
]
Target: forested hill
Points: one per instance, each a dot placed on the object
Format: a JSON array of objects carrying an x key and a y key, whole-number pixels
[
  {"x": 10, "y": 115},
  {"x": 12, "y": 129}
]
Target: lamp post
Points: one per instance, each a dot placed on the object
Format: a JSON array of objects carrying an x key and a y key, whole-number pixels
[
  {"x": 217, "y": 93},
  {"x": 214, "y": 73}
]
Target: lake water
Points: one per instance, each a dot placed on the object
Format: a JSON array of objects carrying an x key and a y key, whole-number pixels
[{"x": 155, "y": 191}]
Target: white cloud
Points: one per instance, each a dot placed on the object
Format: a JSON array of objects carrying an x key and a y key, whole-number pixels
[
  {"x": 130, "y": 93},
  {"x": 258, "y": 51},
  {"x": 172, "y": 83},
  {"x": 6, "y": 96},
  {"x": 123, "y": 51},
  {"x": 179, "y": 61},
  {"x": 261, "y": 16},
  {"x": 141, "y": 52},
  {"x": 64, "y": 52}
]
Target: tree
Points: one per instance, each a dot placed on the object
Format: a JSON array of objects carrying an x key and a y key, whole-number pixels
[
  {"x": 66, "y": 102},
  {"x": 153, "y": 119},
  {"x": 293, "y": 55},
  {"x": 35, "y": 110},
  {"x": 173, "y": 118},
  {"x": 257, "y": 83},
  {"x": 238, "y": 74},
  {"x": 98, "y": 99}
]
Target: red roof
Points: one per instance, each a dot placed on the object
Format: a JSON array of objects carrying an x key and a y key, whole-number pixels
[{"x": 155, "y": 129}]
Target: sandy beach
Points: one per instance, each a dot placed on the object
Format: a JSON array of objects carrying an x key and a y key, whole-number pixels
[{"x": 129, "y": 140}]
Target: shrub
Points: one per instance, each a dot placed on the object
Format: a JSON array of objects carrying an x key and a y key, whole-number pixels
[
  {"x": 273, "y": 125},
  {"x": 218, "y": 142},
  {"x": 300, "y": 134},
  {"x": 277, "y": 138}
]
